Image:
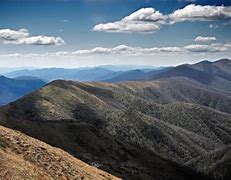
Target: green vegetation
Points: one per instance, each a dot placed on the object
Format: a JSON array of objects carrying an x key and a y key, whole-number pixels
[{"x": 134, "y": 130}]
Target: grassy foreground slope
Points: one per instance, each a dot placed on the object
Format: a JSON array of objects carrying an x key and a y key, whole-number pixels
[{"x": 23, "y": 157}]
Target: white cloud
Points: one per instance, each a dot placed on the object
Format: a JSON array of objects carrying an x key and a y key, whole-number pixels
[
  {"x": 194, "y": 12},
  {"x": 138, "y": 51},
  {"x": 42, "y": 40},
  {"x": 21, "y": 36},
  {"x": 127, "y": 50},
  {"x": 143, "y": 20},
  {"x": 205, "y": 39},
  {"x": 227, "y": 45},
  {"x": 12, "y": 35},
  {"x": 11, "y": 55},
  {"x": 145, "y": 14},
  {"x": 149, "y": 20},
  {"x": 127, "y": 26},
  {"x": 199, "y": 48}
]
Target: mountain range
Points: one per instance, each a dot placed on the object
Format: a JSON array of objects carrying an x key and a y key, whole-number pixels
[
  {"x": 98, "y": 73},
  {"x": 12, "y": 89},
  {"x": 215, "y": 74},
  {"x": 172, "y": 123}
]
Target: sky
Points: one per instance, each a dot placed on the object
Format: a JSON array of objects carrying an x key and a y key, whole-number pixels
[{"x": 78, "y": 33}]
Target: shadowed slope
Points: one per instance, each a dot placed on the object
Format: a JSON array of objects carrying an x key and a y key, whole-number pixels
[
  {"x": 216, "y": 164},
  {"x": 220, "y": 68}
]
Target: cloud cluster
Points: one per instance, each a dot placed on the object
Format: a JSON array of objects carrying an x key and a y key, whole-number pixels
[
  {"x": 205, "y": 39},
  {"x": 149, "y": 20},
  {"x": 201, "y": 48},
  {"x": 22, "y": 36},
  {"x": 194, "y": 12},
  {"x": 128, "y": 50},
  {"x": 143, "y": 20},
  {"x": 139, "y": 51},
  {"x": 136, "y": 51}
]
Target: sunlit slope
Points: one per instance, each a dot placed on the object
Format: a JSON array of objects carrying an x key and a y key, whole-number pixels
[{"x": 23, "y": 157}]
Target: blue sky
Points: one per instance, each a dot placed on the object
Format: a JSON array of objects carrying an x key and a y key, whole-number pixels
[{"x": 76, "y": 33}]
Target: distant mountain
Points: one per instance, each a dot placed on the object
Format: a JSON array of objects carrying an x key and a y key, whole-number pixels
[
  {"x": 120, "y": 126},
  {"x": 128, "y": 67},
  {"x": 50, "y": 74},
  {"x": 23, "y": 157},
  {"x": 215, "y": 74},
  {"x": 182, "y": 71},
  {"x": 26, "y": 78},
  {"x": 127, "y": 76},
  {"x": 220, "y": 68},
  {"x": 4, "y": 70},
  {"x": 134, "y": 75},
  {"x": 12, "y": 89},
  {"x": 101, "y": 73}
]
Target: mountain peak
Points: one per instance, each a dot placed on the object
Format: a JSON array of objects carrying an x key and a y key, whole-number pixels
[
  {"x": 2, "y": 77},
  {"x": 224, "y": 60},
  {"x": 204, "y": 62}
]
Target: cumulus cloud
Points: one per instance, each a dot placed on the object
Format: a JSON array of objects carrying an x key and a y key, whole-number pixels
[
  {"x": 124, "y": 50},
  {"x": 205, "y": 39},
  {"x": 143, "y": 20},
  {"x": 133, "y": 51},
  {"x": 227, "y": 45},
  {"x": 12, "y": 35},
  {"x": 194, "y": 12},
  {"x": 42, "y": 40},
  {"x": 22, "y": 36},
  {"x": 199, "y": 48},
  {"x": 149, "y": 20},
  {"x": 140, "y": 51},
  {"x": 128, "y": 50},
  {"x": 145, "y": 14}
]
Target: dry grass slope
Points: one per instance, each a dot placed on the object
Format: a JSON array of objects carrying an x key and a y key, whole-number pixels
[{"x": 23, "y": 157}]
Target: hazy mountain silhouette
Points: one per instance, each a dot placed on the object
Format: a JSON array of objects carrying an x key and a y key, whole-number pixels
[
  {"x": 49, "y": 74},
  {"x": 214, "y": 74},
  {"x": 12, "y": 89}
]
